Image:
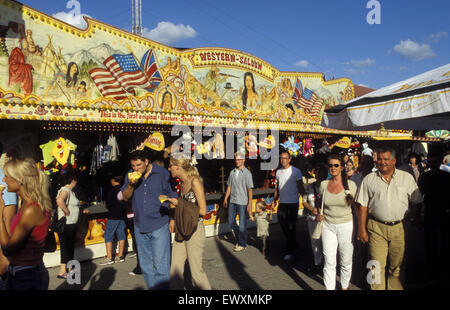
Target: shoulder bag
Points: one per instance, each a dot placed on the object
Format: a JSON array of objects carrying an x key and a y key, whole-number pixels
[
  {"x": 61, "y": 223},
  {"x": 317, "y": 232}
]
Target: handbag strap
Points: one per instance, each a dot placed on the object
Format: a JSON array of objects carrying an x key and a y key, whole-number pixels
[{"x": 323, "y": 198}]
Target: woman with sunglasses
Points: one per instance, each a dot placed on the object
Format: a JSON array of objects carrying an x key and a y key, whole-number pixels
[{"x": 338, "y": 194}]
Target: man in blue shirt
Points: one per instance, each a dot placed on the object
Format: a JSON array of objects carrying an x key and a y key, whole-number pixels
[{"x": 151, "y": 218}]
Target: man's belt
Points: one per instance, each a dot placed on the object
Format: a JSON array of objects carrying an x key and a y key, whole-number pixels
[{"x": 385, "y": 222}]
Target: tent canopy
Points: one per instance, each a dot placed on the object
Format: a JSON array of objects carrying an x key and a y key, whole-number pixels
[{"x": 419, "y": 103}]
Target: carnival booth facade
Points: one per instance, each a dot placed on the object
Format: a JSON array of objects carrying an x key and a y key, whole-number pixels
[{"x": 84, "y": 98}]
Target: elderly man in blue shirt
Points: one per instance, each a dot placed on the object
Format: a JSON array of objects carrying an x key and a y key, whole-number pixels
[{"x": 151, "y": 218}]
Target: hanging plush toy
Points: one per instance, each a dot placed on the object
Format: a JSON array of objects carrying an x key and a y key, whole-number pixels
[
  {"x": 251, "y": 145},
  {"x": 155, "y": 141},
  {"x": 308, "y": 147},
  {"x": 343, "y": 143},
  {"x": 59, "y": 150},
  {"x": 366, "y": 149},
  {"x": 325, "y": 148},
  {"x": 293, "y": 146}
]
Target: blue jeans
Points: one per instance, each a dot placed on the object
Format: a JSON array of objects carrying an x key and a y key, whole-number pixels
[
  {"x": 27, "y": 278},
  {"x": 239, "y": 231},
  {"x": 154, "y": 256}
]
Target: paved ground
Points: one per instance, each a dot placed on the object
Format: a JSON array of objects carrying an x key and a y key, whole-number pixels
[{"x": 247, "y": 270}]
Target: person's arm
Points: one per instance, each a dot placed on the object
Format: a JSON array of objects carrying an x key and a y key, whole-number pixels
[
  {"x": 301, "y": 188},
  {"x": 363, "y": 236},
  {"x": 128, "y": 192},
  {"x": 10, "y": 244},
  {"x": 306, "y": 205},
  {"x": 8, "y": 214},
  {"x": 199, "y": 192},
  {"x": 250, "y": 200},
  {"x": 227, "y": 195},
  {"x": 61, "y": 202}
]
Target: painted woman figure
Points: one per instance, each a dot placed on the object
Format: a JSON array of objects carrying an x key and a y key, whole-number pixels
[
  {"x": 249, "y": 95},
  {"x": 72, "y": 74},
  {"x": 166, "y": 102}
]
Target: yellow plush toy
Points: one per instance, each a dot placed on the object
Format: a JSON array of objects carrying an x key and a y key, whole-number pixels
[{"x": 60, "y": 150}]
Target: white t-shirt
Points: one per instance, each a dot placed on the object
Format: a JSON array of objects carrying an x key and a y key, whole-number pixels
[{"x": 287, "y": 184}]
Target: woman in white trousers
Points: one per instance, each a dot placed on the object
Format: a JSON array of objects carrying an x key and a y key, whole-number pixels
[{"x": 338, "y": 194}]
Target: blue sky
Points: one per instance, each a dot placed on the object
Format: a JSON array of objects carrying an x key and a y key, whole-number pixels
[{"x": 326, "y": 36}]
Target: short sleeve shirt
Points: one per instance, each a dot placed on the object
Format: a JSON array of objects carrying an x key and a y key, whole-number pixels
[
  {"x": 240, "y": 181},
  {"x": 287, "y": 184},
  {"x": 388, "y": 201},
  {"x": 9, "y": 198}
]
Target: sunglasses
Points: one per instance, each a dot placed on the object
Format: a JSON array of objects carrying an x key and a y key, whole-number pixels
[{"x": 333, "y": 165}]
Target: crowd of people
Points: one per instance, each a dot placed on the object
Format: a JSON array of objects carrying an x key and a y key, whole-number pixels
[{"x": 354, "y": 213}]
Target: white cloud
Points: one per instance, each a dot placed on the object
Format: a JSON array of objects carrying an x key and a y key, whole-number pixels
[
  {"x": 167, "y": 32},
  {"x": 302, "y": 63},
  {"x": 413, "y": 50},
  {"x": 72, "y": 19},
  {"x": 435, "y": 37},
  {"x": 363, "y": 63}
]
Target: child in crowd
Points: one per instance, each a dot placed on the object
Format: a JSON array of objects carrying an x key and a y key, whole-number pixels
[
  {"x": 115, "y": 226},
  {"x": 262, "y": 223}
]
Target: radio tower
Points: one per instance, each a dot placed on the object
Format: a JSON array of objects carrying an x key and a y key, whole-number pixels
[{"x": 136, "y": 12}]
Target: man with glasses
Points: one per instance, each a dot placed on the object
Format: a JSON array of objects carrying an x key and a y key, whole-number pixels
[
  {"x": 240, "y": 192},
  {"x": 287, "y": 189},
  {"x": 385, "y": 197}
]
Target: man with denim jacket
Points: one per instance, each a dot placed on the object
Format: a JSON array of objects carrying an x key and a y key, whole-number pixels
[{"x": 151, "y": 218}]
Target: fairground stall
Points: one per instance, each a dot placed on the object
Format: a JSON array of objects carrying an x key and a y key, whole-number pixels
[{"x": 85, "y": 98}]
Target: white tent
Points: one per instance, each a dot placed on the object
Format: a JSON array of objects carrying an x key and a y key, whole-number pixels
[{"x": 419, "y": 103}]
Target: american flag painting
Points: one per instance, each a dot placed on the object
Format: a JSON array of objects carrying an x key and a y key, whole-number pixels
[
  {"x": 123, "y": 74},
  {"x": 307, "y": 99}
]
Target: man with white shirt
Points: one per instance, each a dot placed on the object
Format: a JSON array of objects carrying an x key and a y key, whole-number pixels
[
  {"x": 287, "y": 189},
  {"x": 385, "y": 197}
]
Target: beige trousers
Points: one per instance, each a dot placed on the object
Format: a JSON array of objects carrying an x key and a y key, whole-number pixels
[
  {"x": 191, "y": 250},
  {"x": 387, "y": 242}
]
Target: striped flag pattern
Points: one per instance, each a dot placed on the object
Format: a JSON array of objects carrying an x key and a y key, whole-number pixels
[
  {"x": 149, "y": 66},
  {"x": 123, "y": 74},
  {"x": 307, "y": 99}
]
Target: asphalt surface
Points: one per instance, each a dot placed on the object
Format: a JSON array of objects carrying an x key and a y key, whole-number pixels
[{"x": 249, "y": 269}]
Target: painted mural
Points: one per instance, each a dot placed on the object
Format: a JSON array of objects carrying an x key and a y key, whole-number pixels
[{"x": 46, "y": 63}]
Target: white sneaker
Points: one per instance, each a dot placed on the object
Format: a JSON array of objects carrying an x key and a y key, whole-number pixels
[
  {"x": 133, "y": 255},
  {"x": 239, "y": 248}
]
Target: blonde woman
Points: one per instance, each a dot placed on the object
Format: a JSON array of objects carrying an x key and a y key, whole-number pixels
[
  {"x": 24, "y": 246},
  {"x": 191, "y": 190}
]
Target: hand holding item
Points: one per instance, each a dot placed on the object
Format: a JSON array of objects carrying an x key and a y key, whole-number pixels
[
  {"x": 163, "y": 198},
  {"x": 320, "y": 217},
  {"x": 2, "y": 187},
  {"x": 135, "y": 178},
  {"x": 173, "y": 202}
]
